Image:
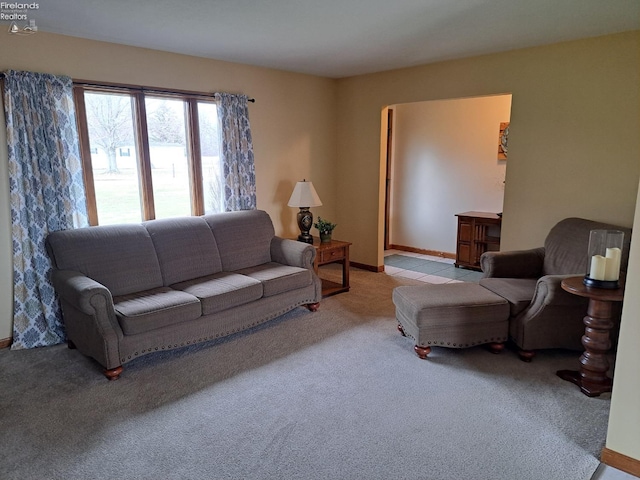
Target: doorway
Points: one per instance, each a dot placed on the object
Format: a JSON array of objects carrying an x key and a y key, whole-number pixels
[{"x": 441, "y": 159}]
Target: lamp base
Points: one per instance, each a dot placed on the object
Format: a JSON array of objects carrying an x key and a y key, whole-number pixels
[
  {"x": 305, "y": 220},
  {"x": 608, "y": 284},
  {"x": 306, "y": 238}
]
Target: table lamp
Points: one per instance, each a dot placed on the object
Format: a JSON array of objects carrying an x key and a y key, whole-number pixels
[{"x": 304, "y": 196}]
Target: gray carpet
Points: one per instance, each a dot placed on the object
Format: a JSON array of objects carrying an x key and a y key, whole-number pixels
[{"x": 336, "y": 394}]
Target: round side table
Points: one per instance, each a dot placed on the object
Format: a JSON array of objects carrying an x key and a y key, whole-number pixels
[{"x": 592, "y": 377}]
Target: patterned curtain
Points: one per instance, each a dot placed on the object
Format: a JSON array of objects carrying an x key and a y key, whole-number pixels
[
  {"x": 46, "y": 194},
  {"x": 236, "y": 151}
]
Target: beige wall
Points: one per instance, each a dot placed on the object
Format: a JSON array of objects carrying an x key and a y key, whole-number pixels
[
  {"x": 573, "y": 146},
  {"x": 292, "y": 120},
  {"x": 445, "y": 162},
  {"x": 624, "y": 419}
]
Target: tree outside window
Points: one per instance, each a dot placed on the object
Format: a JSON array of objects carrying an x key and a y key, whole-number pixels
[{"x": 149, "y": 156}]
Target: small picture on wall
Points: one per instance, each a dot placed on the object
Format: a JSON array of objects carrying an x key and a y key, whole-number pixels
[{"x": 503, "y": 139}]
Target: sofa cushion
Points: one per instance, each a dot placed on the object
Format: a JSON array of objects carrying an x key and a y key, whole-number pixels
[
  {"x": 517, "y": 291},
  {"x": 222, "y": 291},
  {"x": 277, "y": 278},
  {"x": 243, "y": 238},
  {"x": 185, "y": 247},
  {"x": 156, "y": 308},
  {"x": 120, "y": 257}
]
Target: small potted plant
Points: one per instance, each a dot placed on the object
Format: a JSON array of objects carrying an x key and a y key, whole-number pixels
[{"x": 325, "y": 228}]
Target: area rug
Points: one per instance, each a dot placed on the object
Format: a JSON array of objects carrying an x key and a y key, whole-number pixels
[{"x": 335, "y": 394}]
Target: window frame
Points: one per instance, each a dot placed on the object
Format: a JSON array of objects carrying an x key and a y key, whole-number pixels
[{"x": 138, "y": 95}]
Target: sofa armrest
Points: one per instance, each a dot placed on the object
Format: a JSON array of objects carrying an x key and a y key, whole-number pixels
[
  {"x": 515, "y": 264},
  {"x": 82, "y": 292},
  {"x": 292, "y": 252},
  {"x": 89, "y": 316},
  {"x": 90, "y": 298}
]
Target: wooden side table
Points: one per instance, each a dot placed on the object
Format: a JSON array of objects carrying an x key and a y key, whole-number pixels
[
  {"x": 592, "y": 377},
  {"x": 334, "y": 251}
]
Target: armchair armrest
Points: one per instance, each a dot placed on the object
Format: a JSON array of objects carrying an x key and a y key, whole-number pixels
[
  {"x": 553, "y": 319},
  {"x": 292, "y": 252},
  {"x": 549, "y": 291},
  {"x": 515, "y": 264}
]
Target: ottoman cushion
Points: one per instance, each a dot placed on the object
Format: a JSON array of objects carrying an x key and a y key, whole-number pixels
[{"x": 453, "y": 315}]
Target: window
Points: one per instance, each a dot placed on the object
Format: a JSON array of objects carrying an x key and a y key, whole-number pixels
[{"x": 148, "y": 155}]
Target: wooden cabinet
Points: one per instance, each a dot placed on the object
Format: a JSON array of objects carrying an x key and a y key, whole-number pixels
[{"x": 478, "y": 232}]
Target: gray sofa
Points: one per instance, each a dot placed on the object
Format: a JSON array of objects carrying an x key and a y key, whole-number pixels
[
  {"x": 130, "y": 290},
  {"x": 542, "y": 314}
]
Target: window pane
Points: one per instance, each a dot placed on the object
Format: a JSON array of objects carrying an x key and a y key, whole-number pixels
[
  {"x": 113, "y": 157},
  {"x": 168, "y": 152},
  {"x": 212, "y": 189}
]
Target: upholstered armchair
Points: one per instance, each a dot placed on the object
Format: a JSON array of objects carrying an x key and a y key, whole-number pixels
[{"x": 542, "y": 314}]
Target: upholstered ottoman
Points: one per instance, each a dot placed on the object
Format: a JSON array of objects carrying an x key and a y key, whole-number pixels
[{"x": 455, "y": 315}]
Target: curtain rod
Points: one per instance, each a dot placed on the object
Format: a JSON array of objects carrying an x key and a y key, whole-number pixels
[{"x": 86, "y": 83}]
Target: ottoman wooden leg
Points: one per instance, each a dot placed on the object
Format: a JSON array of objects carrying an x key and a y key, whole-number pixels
[
  {"x": 496, "y": 347},
  {"x": 422, "y": 352}
]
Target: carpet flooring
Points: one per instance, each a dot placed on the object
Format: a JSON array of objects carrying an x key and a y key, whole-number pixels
[{"x": 335, "y": 394}]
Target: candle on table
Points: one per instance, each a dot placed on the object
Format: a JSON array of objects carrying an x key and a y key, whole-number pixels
[
  {"x": 612, "y": 264},
  {"x": 598, "y": 265}
]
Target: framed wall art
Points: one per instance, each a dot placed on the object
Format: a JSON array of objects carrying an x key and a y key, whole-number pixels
[{"x": 503, "y": 139}]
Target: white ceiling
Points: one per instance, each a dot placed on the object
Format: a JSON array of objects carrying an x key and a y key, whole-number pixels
[{"x": 336, "y": 38}]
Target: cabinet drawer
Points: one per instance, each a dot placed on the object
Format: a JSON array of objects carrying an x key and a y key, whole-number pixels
[{"x": 326, "y": 256}]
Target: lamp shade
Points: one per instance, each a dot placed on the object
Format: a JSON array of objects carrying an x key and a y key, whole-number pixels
[{"x": 304, "y": 195}]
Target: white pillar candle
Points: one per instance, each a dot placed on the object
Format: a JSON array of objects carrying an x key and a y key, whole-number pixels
[
  {"x": 598, "y": 264},
  {"x": 612, "y": 266}
]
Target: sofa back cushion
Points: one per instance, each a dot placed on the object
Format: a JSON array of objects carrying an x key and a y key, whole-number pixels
[
  {"x": 121, "y": 257},
  {"x": 567, "y": 246},
  {"x": 185, "y": 247},
  {"x": 243, "y": 238}
]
